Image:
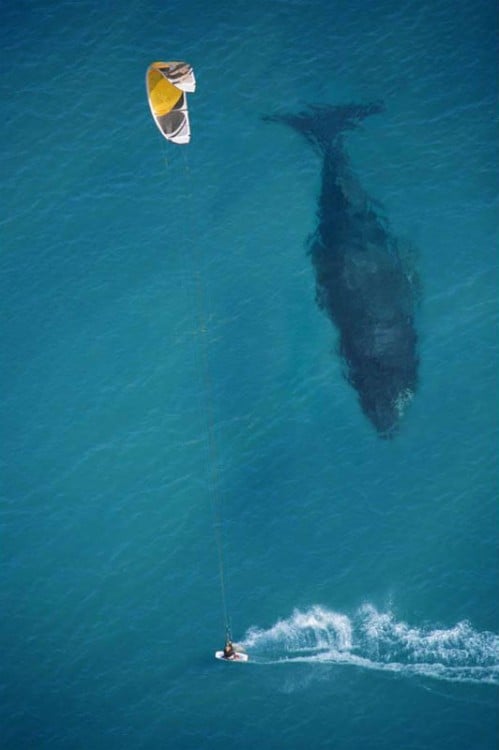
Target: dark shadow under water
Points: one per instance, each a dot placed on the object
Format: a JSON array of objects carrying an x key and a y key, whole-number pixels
[{"x": 362, "y": 280}]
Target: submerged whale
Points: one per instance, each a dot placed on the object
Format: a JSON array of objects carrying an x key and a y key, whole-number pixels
[{"x": 363, "y": 282}]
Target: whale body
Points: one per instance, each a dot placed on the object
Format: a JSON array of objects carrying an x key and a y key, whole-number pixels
[{"x": 362, "y": 282}]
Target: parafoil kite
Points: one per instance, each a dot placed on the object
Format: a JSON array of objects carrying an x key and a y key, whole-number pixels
[{"x": 167, "y": 84}]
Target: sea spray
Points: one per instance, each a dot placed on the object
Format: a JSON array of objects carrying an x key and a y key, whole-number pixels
[{"x": 377, "y": 640}]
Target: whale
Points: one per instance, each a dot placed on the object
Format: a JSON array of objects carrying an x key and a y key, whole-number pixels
[{"x": 364, "y": 281}]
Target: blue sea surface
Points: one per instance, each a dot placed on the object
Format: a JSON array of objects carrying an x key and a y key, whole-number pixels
[{"x": 169, "y": 383}]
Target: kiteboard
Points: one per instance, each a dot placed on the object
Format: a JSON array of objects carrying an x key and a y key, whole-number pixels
[{"x": 238, "y": 656}]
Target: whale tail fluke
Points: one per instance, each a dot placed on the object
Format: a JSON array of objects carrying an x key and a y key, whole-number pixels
[{"x": 323, "y": 125}]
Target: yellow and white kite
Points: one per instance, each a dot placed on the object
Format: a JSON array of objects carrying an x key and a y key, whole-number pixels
[{"x": 167, "y": 84}]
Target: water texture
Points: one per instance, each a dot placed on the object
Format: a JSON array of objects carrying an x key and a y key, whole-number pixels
[{"x": 168, "y": 381}]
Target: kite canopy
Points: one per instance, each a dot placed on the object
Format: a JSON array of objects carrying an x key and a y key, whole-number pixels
[{"x": 167, "y": 84}]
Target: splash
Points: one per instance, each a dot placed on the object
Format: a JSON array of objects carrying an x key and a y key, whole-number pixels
[{"x": 377, "y": 640}]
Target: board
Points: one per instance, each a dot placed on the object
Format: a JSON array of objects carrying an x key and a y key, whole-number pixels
[{"x": 239, "y": 656}]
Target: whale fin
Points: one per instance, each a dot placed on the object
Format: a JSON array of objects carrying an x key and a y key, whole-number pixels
[{"x": 323, "y": 125}]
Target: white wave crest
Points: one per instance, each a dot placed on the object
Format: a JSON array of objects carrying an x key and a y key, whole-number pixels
[{"x": 377, "y": 640}]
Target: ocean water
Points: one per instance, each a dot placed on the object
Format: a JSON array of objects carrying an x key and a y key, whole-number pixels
[{"x": 168, "y": 381}]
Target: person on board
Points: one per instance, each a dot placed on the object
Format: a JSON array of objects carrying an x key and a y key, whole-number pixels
[{"x": 229, "y": 652}]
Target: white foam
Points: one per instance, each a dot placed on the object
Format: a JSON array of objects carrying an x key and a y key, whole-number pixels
[
  {"x": 313, "y": 630},
  {"x": 377, "y": 640},
  {"x": 404, "y": 398}
]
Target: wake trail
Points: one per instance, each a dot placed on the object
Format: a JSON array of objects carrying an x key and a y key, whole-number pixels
[{"x": 378, "y": 641}]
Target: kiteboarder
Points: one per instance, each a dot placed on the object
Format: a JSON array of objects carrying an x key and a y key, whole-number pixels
[
  {"x": 229, "y": 652},
  {"x": 232, "y": 652}
]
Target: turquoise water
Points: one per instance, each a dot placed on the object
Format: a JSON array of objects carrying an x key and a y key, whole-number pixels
[{"x": 163, "y": 354}]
